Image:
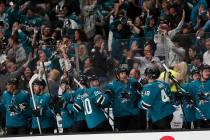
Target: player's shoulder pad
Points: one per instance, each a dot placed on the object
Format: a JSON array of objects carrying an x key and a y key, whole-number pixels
[
  {"x": 163, "y": 83},
  {"x": 193, "y": 83},
  {"x": 208, "y": 81},
  {"x": 5, "y": 92},
  {"x": 92, "y": 89},
  {"x": 72, "y": 92},
  {"x": 79, "y": 91},
  {"x": 46, "y": 94},
  {"x": 25, "y": 92},
  {"x": 111, "y": 85}
]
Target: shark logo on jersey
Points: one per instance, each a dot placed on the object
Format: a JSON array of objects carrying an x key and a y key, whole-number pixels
[
  {"x": 161, "y": 86},
  {"x": 125, "y": 96}
]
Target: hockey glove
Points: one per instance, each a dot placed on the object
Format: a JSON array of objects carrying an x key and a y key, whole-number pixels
[
  {"x": 108, "y": 92},
  {"x": 54, "y": 101},
  {"x": 201, "y": 96},
  {"x": 177, "y": 96},
  {"x": 37, "y": 112},
  {"x": 137, "y": 86},
  {"x": 189, "y": 99},
  {"x": 138, "y": 98}
]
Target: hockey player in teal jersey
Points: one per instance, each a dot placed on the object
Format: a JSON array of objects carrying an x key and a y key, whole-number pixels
[
  {"x": 80, "y": 124},
  {"x": 155, "y": 99},
  {"x": 124, "y": 94},
  {"x": 16, "y": 103},
  {"x": 43, "y": 110},
  {"x": 200, "y": 90},
  {"x": 189, "y": 110},
  {"x": 93, "y": 101},
  {"x": 65, "y": 104}
]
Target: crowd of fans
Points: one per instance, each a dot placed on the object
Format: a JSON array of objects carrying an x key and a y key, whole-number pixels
[{"x": 135, "y": 33}]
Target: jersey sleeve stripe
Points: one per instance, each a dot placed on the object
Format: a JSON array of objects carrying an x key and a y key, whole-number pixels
[
  {"x": 145, "y": 105},
  {"x": 144, "y": 108},
  {"x": 77, "y": 107},
  {"x": 100, "y": 100}
]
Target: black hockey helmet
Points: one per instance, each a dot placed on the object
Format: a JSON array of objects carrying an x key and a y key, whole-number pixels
[
  {"x": 120, "y": 69},
  {"x": 92, "y": 78},
  {"x": 83, "y": 79},
  {"x": 39, "y": 82},
  {"x": 152, "y": 72},
  {"x": 195, "y": 70}
]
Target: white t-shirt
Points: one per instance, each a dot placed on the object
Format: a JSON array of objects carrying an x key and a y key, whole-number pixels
[{"x": 206, "y": 57}]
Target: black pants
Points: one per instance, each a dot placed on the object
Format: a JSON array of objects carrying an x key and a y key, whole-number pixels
[
  {"x": 44, "y": 131},
  {"x": 80, "y": 126},
  {"x": 23, "y": 130},
  {"x": 163, "y": 123},
  {"x": 67, "y": 130},
  {"x": 202, "y": 124},
  {"x": 141, "y": 120},
  {"x": 102, "y": 127},
  {"x": 130, "y": 123},
  {"x": 2, "y": 119},
  {"x": 186, "y": 125}
]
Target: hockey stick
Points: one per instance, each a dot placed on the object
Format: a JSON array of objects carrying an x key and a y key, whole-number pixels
[
  {"x": 35, "y": 76},
  {"x": 184, "y": 92},
  {"x": 177, "y": 85}
]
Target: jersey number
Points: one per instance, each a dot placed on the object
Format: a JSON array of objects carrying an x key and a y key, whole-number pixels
[
  {"x": 87, "y": 105},
  {"x": 164, "y": 97}
]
